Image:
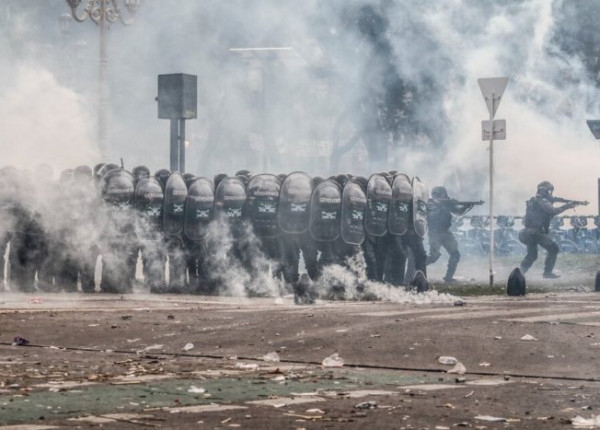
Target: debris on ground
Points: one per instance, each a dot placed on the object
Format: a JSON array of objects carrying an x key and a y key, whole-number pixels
[
  {"x": 587, "y": 423},
  {"x": 491, "y": 418},
  {"x": 366, "y": 405},
  {"x": 459, "y": 368},
  {"x": 19, "y": 341},
  {"x": 528, "y": 337},
  {"x": 334, "y": 360},
  {"x": 188, "y": 347},
  {"x": 447, "y": 360},
  {"x": 271, "y": 356}
]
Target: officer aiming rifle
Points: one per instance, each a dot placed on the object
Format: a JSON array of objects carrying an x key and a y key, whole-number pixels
[{"x": 440, "y": 209}]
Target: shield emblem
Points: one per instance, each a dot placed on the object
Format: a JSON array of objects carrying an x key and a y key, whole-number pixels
[
  {"x": 379, "y": 194},
  {"x": 420, "y": 197},
  {"x": 400, "y": 205},
  {"x": 148, "y": 200},
  {"x": 294, "y": 202},
  {"x": 325, "y": 211},
  {"x": 354, "y": 203},
  {"x": 230, "y": 203},
  {"x": 199, "y": 207},
  {"x": 174, "y": 204},
  {"x": 262, "y": 202}
]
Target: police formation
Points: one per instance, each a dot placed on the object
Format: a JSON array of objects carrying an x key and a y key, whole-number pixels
[{"x": 175, "y": 222}]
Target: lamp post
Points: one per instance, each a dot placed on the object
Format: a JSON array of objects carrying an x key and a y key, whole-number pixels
[{"x": 103, "y": 13}]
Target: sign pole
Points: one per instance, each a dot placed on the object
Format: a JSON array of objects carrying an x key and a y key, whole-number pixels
[{"x": 492, "y": 197}]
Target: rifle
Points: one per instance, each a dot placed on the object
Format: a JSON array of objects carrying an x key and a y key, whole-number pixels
[
  {"x": 452, "y": 202},
  {"x": 573, "y": 202}
]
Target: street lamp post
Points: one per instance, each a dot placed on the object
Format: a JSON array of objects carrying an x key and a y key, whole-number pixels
[{"x": 103, "y": 13}]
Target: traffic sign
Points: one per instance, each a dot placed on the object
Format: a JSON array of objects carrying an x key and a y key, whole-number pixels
[
  {"x": 594, "y": 126},
  {"x": 497, "y": 125},
  {"x": 492, "y": 90}
]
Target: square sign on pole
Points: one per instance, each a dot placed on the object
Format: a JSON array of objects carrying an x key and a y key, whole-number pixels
[
  {"x": 497, "y": 125},
  {"x": 594, "y": 126},
  {"x": 492, "y": 90}
]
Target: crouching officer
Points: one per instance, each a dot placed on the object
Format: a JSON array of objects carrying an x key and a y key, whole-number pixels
[
  {"x": 440, "y": 209},
  {"x": 539, "y": 211}
]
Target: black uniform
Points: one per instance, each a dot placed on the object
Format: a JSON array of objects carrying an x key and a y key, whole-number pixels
[
  {"x": 538, "y": 213},
  {"x": 440, "y": 209}
]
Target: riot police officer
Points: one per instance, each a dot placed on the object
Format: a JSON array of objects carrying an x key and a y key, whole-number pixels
[
  {"x": 440, "y": 209},
  {"x": 539, "y": 210}
]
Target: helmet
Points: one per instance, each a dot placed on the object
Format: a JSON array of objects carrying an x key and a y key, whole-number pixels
[
  {"x": 82, "y": 173},
  {"x": 162, "y": 175},
  {"x": 218, "y": 178},
  {"x": 545, "y": 188},
  {"x": 140, "y": 172},
  {"x": 189, "y": 178},
  {"x": 439, "y": 192}
]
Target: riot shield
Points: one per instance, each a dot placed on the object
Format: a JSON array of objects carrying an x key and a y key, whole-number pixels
[
  {"x": 117, "y": 192},
  {"x": 174, "y": 203},
  {"x": 420, "y": 197},
  {"x": 354, "y": 203},
  {"x": 148, "y": 199},
  {"x": 230, "y": 202},
  {"x": 325, "y": 211},
  {"x": 199, "y": 207},
  {"x": 294, "y": 201},
  {"x": 262, "y": 202},
  {"x": 400, "y": 205},
  {"x": 379, "y": 194}
]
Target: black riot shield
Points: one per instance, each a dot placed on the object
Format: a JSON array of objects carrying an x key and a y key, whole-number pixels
[
  {"x": 199, "y": 207},
  {"x": 117, "y": 192},
  {"x": 148, "y": 199},
  {"x": 420, "y": 197},
  {"x": 262, "y": 202},
  {"x": 325, "y": 211},
  {"x": 400, "y": 205},
  {"x": 379, "y": 194},
  {"x": 174, "y": 204},
  {"x": 354, "y": 203},
  {"x": 294, "y": 201},
  {"x": 230, "y": 202}
]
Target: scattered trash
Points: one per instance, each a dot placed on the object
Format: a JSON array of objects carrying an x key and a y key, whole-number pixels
[
  {"x": 460, "y": 380},
  {"x": 589, "y": 423},
  {"x": 497, "y": 337},
  {"x": 484, "y": 364},
  {"x": 248, "y": 366},
  {"x": 470, "y": 394},
  {"x": 459, "y": 368},
  {"x": 314, "y": 411},
  {"x": 459, "y": 303},
  {"x": 447, "y": 360},
  {"x": 35, "y": 300},
  {"x": 334, "y": 360},
  {"x": 528, "y": 337},
  {"x": 366, "y": 405},
  {"x": 188, "y": 347},
  {"x": 271, "y": 356},
  {"x": 491, "y": 419},
  {"x": 151, "y": 347},
  {"x": 196, "y": 390},
  {"x": 342, "y": 330},
  {"x": 375, "y": 335},
  {"x": 126, "y": 317},
  {"x": 170, "y": 317},
  {"x": 19, "y": 341}
]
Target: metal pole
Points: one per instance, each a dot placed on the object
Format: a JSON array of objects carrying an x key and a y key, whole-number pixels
[
  {"x": 102, "y": 84},
  {"x": 174, "y": 146},
  {"x": 182, "y": 145},
  {"x": 492, "y": 194}
]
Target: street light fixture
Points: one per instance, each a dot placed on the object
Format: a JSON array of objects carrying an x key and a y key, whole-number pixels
[{"x": 103, "y": 13}]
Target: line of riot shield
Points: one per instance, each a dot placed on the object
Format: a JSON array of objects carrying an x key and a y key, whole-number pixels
[
  {"x": 263, "y": 199},
  {"x": 174, "y": 204},
  {"x": 325, "y": 211},
  {"x": 420, "y": 197},
  {"x": 230, "y": 203},
  {"x": 199, "y": 209},
  {"x": 294, "y": 200},
  {"x": 400, "y": 205},
  {"x": 148, "y": 199},
  {"x": 379, "y": 194},
  {"x": 354, "y": 203}
]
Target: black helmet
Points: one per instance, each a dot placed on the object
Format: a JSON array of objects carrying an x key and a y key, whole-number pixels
[
  {"x": 218, "y": 178},
  {"x": 342, "y": 179},
  {"x": 140, "y": 172},
  {"x": 66, "y": 175},
  {"x": 545, "y": 188},
  {"x": 189, "y": 178},
  {"x": 439, "y": 192},
  {"x": 82, "y": 172},
  {"x": 162, "y": 175},
  {"x": 243, "y": 172}
]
